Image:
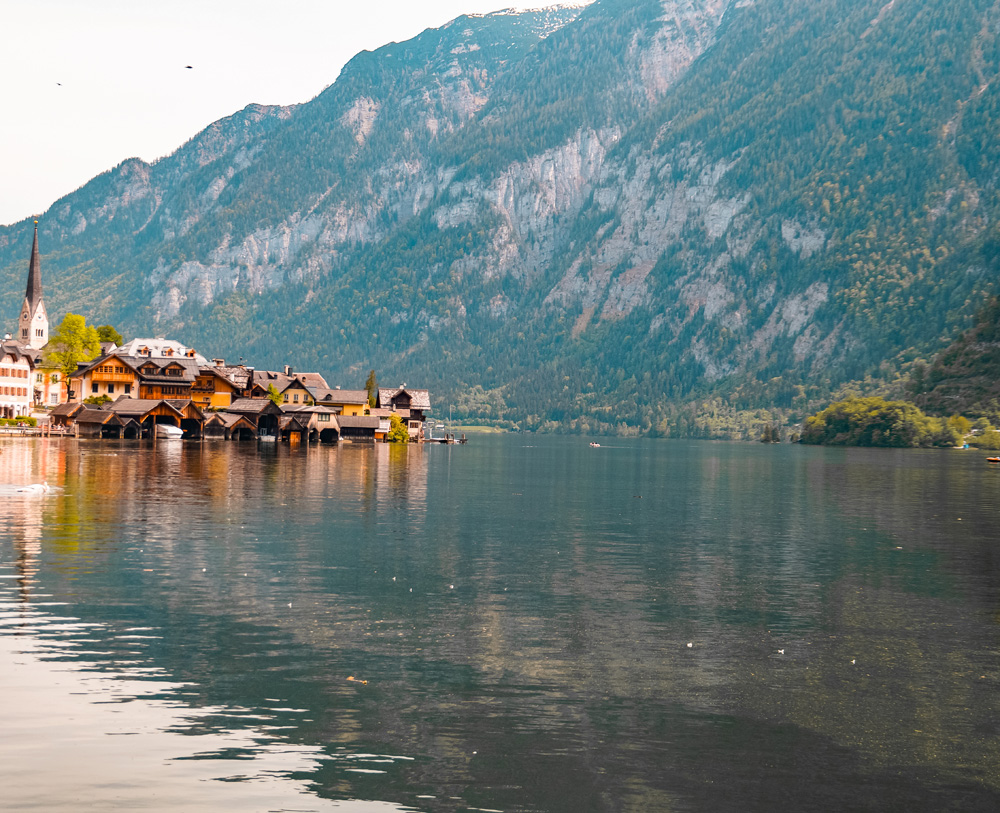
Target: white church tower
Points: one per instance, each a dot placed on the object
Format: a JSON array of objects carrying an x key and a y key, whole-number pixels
[{"x": 33, "y": 326}]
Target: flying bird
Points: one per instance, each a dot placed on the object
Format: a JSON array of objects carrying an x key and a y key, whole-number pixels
[{"x": 189, "y": 67}]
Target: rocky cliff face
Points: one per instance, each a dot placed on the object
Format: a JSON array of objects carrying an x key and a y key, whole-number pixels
[{"x": 632, "y": 200}]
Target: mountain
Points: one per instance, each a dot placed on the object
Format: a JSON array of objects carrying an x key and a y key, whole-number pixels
[{"x": 585, "y": 215}]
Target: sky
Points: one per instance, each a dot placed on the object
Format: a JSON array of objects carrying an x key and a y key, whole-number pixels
[{"x": 85, "y": 84}]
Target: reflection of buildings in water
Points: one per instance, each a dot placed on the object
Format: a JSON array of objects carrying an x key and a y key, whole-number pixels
[
  {"x": 24, "y": 461},
  {"x": 25, "y": 518},
  {"x": 401, "y": 476}
]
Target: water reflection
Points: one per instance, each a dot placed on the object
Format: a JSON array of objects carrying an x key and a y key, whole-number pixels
[
  {"x": 650, "y": 627},
  {"x": 89, "y": 737}
]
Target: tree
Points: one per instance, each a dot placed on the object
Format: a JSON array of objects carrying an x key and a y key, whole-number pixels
[
  {"x": 274, "y": 395},
  {"x": 960, "y": 424},
  {"x": 397, "y": 430},
  {"x": 371, "y": 384},
  {"x": 106, "y": 333},
  {"x": 73, "y": 342}
]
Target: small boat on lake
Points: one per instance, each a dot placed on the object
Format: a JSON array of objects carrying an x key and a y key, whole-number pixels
[
  {"x": 993, "y": 459},
  {"x": 168, "y": 430},
  {"x": 595, "y": 445}
]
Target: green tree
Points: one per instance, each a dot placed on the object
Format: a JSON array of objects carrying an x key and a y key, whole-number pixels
[
  {"x": 397, "y": 430},
  {"x": 371, "y": 384},
  {"x": 73, "y": 342},
  {"x": 274, "y": 395},
  {"x": 106, "y": 333},
  {"x": 960, "y": 424}
]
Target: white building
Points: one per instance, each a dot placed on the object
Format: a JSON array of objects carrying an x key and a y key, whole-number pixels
[{"x": 16, "y": 376}]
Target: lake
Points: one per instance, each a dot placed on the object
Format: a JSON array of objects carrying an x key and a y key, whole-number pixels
[{"x": 521, "y": 624}]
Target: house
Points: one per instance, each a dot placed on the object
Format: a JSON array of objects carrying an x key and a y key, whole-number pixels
[
  {"x": 65, "y": 414},
  {"x": 358, "y": 428},
  {"x": 228, "y": 426},
  {"x": 346, "y": 402},
  {"x": 216, "y": 386},
  {"x": 294, "y": 387},
  {"x": 292, "y": 429},
  {"x": 49, "y": 386},
  {"x": 92, "y": 422},
  {"x": 16, "y": 372},
  {"x": 112, "y": 375},
  {"x": 261, "y": 412},
  {"x": 146, "y": 413},
  {"x": 167, "y": 378},
  {"x": 321, "y": 422},
  {"x": 412, "y": 406}
]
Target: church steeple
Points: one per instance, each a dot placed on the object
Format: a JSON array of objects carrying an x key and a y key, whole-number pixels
[
  {"x": 34, "y": 322},
  {"x": 33, "y": 293}
]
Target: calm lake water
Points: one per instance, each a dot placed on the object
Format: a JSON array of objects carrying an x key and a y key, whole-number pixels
[{"x": 520, "y": 624}]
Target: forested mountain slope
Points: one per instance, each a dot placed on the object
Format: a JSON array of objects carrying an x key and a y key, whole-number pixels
[{"x": 589, "y": 214}]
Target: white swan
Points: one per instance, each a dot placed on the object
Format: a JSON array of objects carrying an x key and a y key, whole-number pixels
[{"x": 35, "y": 488}]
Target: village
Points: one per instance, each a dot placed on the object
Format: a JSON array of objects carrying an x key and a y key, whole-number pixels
[{"x": 160, "y": 388}]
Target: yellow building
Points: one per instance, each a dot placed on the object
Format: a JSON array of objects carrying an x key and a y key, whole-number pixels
[
  {"x": 212, "y": 389},
  {"x": 111, "y": 375},
  {"x": 349, "y": 402}
]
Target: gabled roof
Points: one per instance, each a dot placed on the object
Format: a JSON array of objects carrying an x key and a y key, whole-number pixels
[
  {"x": 239, "y": 376},
  {"x": 99, "y": 416},
  {"x": 116, "y": 355},
  {"x": 291, "y": 422},
  {"x": 229, "y": 420},
  {"x": 220, "y": 373},
  {"x": 419, "y": 399},
  {"x": 158, "y": 348},
  {"x": 137, "y": 407},
  {"x": 190, "y": 368},
  {"x": 68, "y": 409},
  {"x": 325, "y": 395},
  {"x": 253, "y": 406},
  {"x": 17, "y": 351}
]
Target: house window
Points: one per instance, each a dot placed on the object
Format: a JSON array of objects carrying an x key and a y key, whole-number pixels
[
  {"x": 295, "y": 398},
  {"x": 128, "y": 389},
  {"x": 323, "y": 417},
  {"x": 38, "y": 378},
  {"x": 93, "y": 388},
  {"x": 39, "y": 333},
  {"x": 111, "y": 388},
  {"x": 286, "y": 398}
]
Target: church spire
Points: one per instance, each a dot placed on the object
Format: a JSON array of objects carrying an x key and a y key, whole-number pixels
[
  {"x": 33, "y": 325},
  {"x": 33, "y": 293}
]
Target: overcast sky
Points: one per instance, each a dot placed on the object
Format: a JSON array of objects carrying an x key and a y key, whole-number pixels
[{"x": 88, "y": 83}]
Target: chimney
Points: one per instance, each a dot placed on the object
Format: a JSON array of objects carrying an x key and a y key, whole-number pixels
[
  {"x": 288, "y": 370},
  {"x": 219, "y": 362}
]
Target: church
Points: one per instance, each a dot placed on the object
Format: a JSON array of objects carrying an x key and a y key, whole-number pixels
[{"x": 23, "y": 383}]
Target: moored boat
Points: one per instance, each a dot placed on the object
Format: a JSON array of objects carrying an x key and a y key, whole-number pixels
[{"x": 168, "y": 430}]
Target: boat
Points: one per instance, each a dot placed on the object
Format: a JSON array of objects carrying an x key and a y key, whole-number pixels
[
  {"x": 993, "y": 459},
  {"x": 168, "y": 430},
  {"x": 595, "y": 445}
]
